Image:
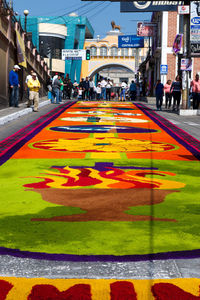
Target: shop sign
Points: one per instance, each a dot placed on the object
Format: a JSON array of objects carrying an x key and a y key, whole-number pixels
[
  {"x": 150, "y": 6},
  {"x": 130, "y": 41},
  {"x": 195, "y": 28},
  {"x": 145, "y": 29},
  {"x": 184, "y": 9}
]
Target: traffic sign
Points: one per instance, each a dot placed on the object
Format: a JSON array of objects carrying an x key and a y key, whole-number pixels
[
  {"x": 73, "y": 54},
  {"x": 163, "y": 69}
]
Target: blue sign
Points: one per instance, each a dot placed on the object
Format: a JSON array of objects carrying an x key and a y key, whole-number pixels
[
  {"x": 140, "y": 6},
  {"x": 130, "y": 41},
  {"x": 163, "y": 69}
]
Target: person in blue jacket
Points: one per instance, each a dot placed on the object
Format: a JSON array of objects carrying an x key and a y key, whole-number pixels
[{"x": 14, "y": 86}]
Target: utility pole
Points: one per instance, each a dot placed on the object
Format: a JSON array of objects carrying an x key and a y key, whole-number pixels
[{"x": 186, "y": 52}]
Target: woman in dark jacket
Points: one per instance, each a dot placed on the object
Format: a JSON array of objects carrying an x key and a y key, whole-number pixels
[{"x": 176, "y": 89}]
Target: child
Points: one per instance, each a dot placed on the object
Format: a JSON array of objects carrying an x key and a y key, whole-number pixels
[
  {"x": 80, "y": 93},
  {"x": 98, "y": 91}
]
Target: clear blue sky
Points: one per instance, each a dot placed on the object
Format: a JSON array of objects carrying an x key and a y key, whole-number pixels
[{"x": 99, "y": 13}]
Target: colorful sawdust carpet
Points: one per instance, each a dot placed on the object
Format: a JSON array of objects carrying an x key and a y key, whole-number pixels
[
  {"x": 84, "y": 289},
  {"x": 100, "y": 181}
]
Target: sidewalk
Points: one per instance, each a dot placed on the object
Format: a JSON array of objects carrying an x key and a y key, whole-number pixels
[{"x": 12, "y": 113}]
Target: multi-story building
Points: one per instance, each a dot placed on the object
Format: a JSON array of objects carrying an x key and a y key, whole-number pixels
[
  {"x": 169, "y": 24},
  {"x": 52, "y": 34}
]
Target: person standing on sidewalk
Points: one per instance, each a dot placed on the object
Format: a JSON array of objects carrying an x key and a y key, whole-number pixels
[
  {"x": 91, "y": 89},
  {"x": 168, "y": 94},
  {"x": 103, "y": 89},
  {"x": 56, "y": 85},
  {"x": 34, "y": 86},
  {"x": 176, "y": 89},
  {"x": 123, "y": 91},
  {"x": 195, "y": 85},
  {"x": 108, "y": 89},
  {"x": 86, "y": 88},
  {"x": 133, "y": 90},
  {"x": 14, "y": 86},
  {"x": 159, "y": 94}
]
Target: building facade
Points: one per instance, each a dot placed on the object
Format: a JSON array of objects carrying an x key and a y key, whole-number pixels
[
  {"x": 169, "y": 24},
  {"x": 108, "y": 60},
  {"x": 52, "y": 34}
]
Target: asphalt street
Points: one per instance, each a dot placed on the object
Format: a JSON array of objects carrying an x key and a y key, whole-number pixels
[
  {"x": 168, "y": 269},
  {"x": 190, "y": 124}
]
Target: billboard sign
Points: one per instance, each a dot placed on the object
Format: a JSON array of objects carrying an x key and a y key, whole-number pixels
[
  {"x": 145, "y": 29},
  {"x": 130, "y": 41},
  {"x": 195, "y": 27},
  {"x": 73, "y": 54},
  {"x": 177, "y": 43},
  {"x": 150, "y": 6}
]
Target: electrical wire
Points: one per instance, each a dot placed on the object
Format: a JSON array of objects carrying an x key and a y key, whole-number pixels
[
  {"x": 104, "y": 8},
  {"x": 83, "y": 12},
  {"x": 63, "y": 15}
]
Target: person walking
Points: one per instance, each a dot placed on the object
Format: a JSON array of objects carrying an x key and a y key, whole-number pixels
[
  {"x": 34, "y": 86},
  {"x": 168, "y": 94},
  {"x": 108, "y": 89},
  {"x": 103, "y": 89},
  {"x": 195, "y": 85},
  {"x": 14, "y": 86},
  {"x": 123, "y": 91},
  {"x": 176, "y": 89},
  {"x": 133, "y": 90},
  {"x": 159, "y": 94}
]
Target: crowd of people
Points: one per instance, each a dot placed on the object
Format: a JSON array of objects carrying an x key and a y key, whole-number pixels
[
  {"x": 61, "y": 87},
  {"x": 173, "y": 91}
]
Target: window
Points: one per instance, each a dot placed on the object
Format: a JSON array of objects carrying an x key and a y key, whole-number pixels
[
  {"x": 114, "y": 51},
  {"x": 133, "y": 52},
  {"x": 51, "y": 46},
  {"x": 103, "y": 51},
  {"x": 93, "y": 51},
  {"x": 124, "y": 52}
]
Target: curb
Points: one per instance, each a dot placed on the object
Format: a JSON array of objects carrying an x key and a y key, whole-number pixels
[
  {"x": 18, "y": 114},
  {"x": 189, "y": 112}
]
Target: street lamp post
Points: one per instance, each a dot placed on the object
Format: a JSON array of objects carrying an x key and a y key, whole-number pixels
[{"x": 26, "y": 13}]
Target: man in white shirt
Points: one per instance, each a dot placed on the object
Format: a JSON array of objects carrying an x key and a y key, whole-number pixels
[
  {"x": 108, "y": 89},
  {"x": 91, "y": 89},
  {"x": 123, "y": 91},
  {"x": 103, "y": 89}
]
